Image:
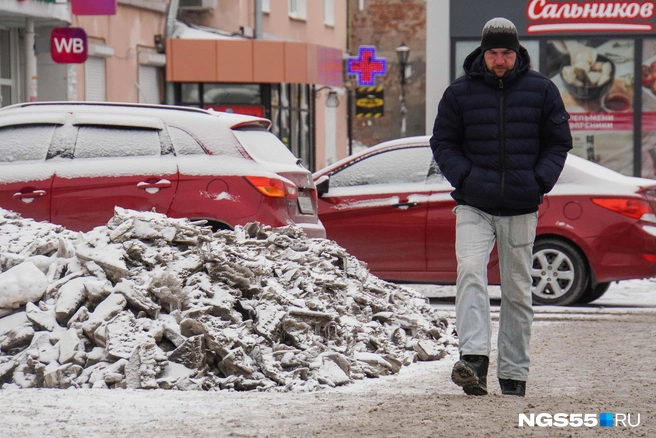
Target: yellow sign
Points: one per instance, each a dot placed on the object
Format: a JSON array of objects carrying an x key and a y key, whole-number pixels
[{"x": 369, "y": 102}]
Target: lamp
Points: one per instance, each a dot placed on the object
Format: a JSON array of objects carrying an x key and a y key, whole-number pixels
[
  {"x": 402, "y": 55},
  {"x": 332, "y": 101},
  {"x": 160, "y": 46}
]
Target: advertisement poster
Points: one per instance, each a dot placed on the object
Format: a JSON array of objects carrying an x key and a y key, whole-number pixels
[
  {"x": 596, "y": 80},
  {"x": 648, "y": 86}
]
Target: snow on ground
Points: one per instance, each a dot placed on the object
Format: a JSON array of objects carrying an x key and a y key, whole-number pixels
[
  {"x": 157, "y": 303},
  {"x": 620, "y": 294}
]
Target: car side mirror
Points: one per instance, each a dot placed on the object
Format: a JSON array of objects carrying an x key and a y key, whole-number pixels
[{"x": 322, "y": 184}]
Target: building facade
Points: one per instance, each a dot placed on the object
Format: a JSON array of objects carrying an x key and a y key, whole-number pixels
[{"x": 601, "y": 56}]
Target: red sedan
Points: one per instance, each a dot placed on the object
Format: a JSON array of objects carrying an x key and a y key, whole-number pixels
[{"x": 390, "y": 206}]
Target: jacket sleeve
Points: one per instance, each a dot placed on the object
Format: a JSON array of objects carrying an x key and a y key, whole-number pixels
[
  {"x": 555, "y": 140},
  {"x": 447, "y": 140}
]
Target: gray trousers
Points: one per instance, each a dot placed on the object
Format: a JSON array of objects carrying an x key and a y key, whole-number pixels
[{"x": 476, "y": 233}]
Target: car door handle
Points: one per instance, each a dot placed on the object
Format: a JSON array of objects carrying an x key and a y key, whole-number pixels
[
  {"x": 29, "y": 196},
  {"x": 405, "y": 204},
  {"x": 154, "y": 187}
]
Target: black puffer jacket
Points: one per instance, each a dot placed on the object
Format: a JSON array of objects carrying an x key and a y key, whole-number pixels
[{"x": 501, "y": 143}]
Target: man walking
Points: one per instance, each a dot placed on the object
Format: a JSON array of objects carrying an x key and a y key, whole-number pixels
[{"x": 500, "y": 137}]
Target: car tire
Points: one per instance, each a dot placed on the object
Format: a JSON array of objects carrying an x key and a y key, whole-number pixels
[
  {"x": 593, "y": 293},
  {"x": 559, "y": 273}
]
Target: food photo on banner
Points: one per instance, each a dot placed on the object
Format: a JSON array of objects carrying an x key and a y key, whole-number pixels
[
  {"x": 596, "y": 80},
  {"x": 649, "y": 108}
]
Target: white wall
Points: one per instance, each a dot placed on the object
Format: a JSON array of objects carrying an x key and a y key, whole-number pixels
[{"x": 438, "y": 56}]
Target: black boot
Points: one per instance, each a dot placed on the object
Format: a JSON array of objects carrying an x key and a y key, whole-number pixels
[
  {"x": 470, "y": 372},
  {"x": 513, "y": 387}
]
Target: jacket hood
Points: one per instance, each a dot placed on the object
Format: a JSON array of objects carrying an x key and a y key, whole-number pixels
[{"x": 474, "y": 65}]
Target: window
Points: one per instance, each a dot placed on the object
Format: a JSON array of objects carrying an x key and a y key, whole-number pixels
[
  {"x": 264, "y": 146},
  {"x": 298, "y": 9},
  {"x": 235, "y": 94},
  {"x": 399, "y": 166},
  {"x": 184, "y": 143},
  {"x": 329, "y": 12},
  {"x": 212, "y": 95},
  {"x": 291, "y": 118},
  {"x": 7, "y": 62},
  {"x": 102, "y": 141},
  {"x": 25, "y": 142}
]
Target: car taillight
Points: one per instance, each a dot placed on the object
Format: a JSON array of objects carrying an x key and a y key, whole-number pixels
[
  {"x": 634, "y": 208},
  {"x": 273, "y": 187}
]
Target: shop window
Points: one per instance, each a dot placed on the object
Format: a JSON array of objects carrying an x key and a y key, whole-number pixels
[
  {"x": 235, "y": 98},
  {"x": 275, "y": 111},
  {"x": 189, "y": 94},
  {"x": 595, "y": 77},
  {"x": 648, "y": 94},
  {"x": 237, "y": 94},
  {"x": 291, "y": 117},
  {"x": 7, "y": 63}
]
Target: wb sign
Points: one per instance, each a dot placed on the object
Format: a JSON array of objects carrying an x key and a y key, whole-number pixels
[{"x": 68, "y": 45}]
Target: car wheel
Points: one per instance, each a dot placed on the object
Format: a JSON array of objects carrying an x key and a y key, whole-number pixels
[
  {"x": 592, "y": 293},
  {"x": 559, "y": 273}
]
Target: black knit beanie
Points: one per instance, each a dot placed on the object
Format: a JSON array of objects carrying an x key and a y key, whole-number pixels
[{"x": 499, "y": 33}]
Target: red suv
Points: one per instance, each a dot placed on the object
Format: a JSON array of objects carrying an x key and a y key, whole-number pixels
[{"x": 71, "y": 163}]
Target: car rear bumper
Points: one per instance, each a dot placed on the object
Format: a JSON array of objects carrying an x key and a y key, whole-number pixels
[
  {"x": 621, "y": 261},
  {"x": 313, "y": 230}
]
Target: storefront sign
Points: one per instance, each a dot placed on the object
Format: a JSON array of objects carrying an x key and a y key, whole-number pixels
[
  {"x": 366, "y": 66},
  {"x": 68, "y": 45},
  {"x": 570, "y": 16},
  {"x": 93, "y": 7}
]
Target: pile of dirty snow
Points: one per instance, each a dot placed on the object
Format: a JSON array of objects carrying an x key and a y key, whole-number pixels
[{"x": 154, "y": 302}]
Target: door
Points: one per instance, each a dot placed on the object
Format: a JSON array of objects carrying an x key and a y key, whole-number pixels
[
  {"x": 25, "y": 177},
  {"x": 376, "y": 208},
  {"x": 113, "y": 166}
]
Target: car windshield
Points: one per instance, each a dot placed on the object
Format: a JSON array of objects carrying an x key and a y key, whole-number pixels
[
  {"x": 262, "y": 145},
  {"x": 397, "y": 166}
]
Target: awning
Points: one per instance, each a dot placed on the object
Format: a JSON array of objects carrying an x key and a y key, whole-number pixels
[
  {"x": 14, "y": 13},
  {"x": 201, "y": 55}
]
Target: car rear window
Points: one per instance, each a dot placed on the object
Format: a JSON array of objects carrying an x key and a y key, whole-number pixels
[
  {"x": 262, "y": 145},
  {"x": 25, "y": 142},
  {"x": 98, "y": 141}
]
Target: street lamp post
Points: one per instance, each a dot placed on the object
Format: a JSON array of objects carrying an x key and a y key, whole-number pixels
[{"x": 402, "y": 54}]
